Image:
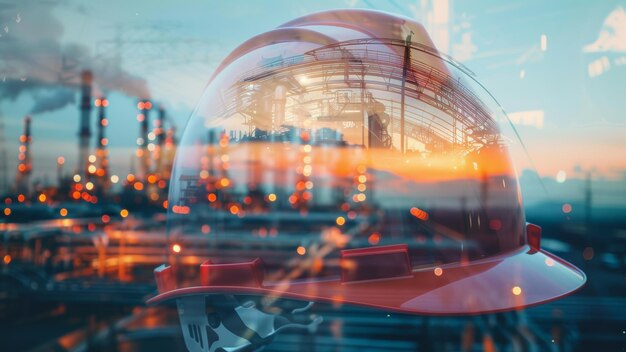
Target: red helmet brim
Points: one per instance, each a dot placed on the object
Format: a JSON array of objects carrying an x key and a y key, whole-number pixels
[{"x": 509, "y": 281}]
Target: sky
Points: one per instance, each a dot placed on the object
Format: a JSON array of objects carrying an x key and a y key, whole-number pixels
[{"x": 558, "y": 68}]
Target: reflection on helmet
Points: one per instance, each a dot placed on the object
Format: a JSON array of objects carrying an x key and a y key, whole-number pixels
[{"x": 341, "y": 158}]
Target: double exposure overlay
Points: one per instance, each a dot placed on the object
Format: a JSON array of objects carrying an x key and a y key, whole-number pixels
[
  {"x": 337, "y": 161},
  {"x": 278, "y": 175}
]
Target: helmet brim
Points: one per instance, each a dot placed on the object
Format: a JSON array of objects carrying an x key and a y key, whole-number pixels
[{"x": 509, "y": 281}]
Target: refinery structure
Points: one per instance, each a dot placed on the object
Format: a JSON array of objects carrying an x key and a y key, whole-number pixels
[{"x": 90, "y": 180}]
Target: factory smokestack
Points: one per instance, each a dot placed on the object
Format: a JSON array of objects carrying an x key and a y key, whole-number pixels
[
  {"x": 169, "y": 152},
  {"x": 84, "y": 132},
  {"x": 144, "y": 107},
  {"x": 159, "y": 132},
  {"x": 24, "y": 167},
  {"x": 102, "y": 157}
]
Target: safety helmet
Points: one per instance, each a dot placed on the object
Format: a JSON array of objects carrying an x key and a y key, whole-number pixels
[{"x": 340, "y": 158}]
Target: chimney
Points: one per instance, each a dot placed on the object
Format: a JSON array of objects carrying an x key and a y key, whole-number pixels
[
  {"x": 159, "y": 132},
  {"x": 144, "y": 107},
  {"x": 102, "y": 157},
  {"x": 84, "y": 132},
  {"x": 24, "y": 167}
]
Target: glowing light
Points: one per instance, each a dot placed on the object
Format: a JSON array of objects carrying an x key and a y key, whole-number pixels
[
  {"x": 60, "y": 160},
  {"x": 271, "y": 197},
  {"x": 361, "y": 187},
  {"x": 303, "y": 79},
  {"x": 212, "y": 197},
  {"x": 549, "y": 262},
  {"x": 180, "y": 209},
  {"x": 516, "y": 290},
  {"x": 152, "y": 179},
  {"x": 138, "y": 186},
  {"x": 495, "y": 224},
  {"x": 374, "y": 239},
  {"x": 63, "y": 212},
  {"x": 561, "y": 176},
  {"x": 308, "y": 185},
  {"x": 306, "y": 171},
  {"x": 362, "y": 178},
  {"x": 301, "y": 250},
  {"x": 361, "y": 197},
  {"x": 7, "y": 211},
  {"x": 21, "y": 198},
  {"x": 77, "y": 178},
  {"x": 6, "y": 259},
  {"x": 234, "y": 209},
  {"x": 544, "y": 42},
  {"x": 340, "y": 220},
  {"x": 89, "y": 186},
  {"x": 42, "y": 197},
  {"x": 123, "y": 213},
  {"x": 224, "y": 182},
  {"x": 224, "y": 141},
  {"x": 92, "y": 158},
  {"x": 115, "y": 179},
  {"x": 567, "y": 208},
  {"x": 307, "y": 148},
  {"x": 438, "y": 271},
  {"x": 91, "y": 169},
  {"x": 176, "y": 248},
  {"x": 205, "y": 229},
  {"x": 105, "y": 218}
]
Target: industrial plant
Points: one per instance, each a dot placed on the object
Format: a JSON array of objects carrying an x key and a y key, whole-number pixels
[
  {"x": 345, "y": 181},
  {"x": 87, "y": 187}
]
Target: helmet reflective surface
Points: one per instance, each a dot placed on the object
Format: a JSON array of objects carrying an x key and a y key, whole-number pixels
[{"x": 341, "y": 158}]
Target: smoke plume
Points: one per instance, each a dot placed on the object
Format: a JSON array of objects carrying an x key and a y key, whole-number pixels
[{"x": 36, "y": 62}]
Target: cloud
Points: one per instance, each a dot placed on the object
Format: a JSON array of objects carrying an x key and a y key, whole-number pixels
[
  {"x": 35, "y": 61},
  {"x": 464, "y": 50},
  {"x": 52, "y": 99},
  {"x": 532, "y": 118},
  {"x": 612, "y": 37}
]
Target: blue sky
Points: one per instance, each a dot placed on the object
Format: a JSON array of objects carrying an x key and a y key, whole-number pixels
[{"x": 568, "y": 97}]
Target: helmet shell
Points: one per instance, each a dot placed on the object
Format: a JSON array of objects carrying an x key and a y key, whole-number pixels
[{"x": 341, "y": 158}]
